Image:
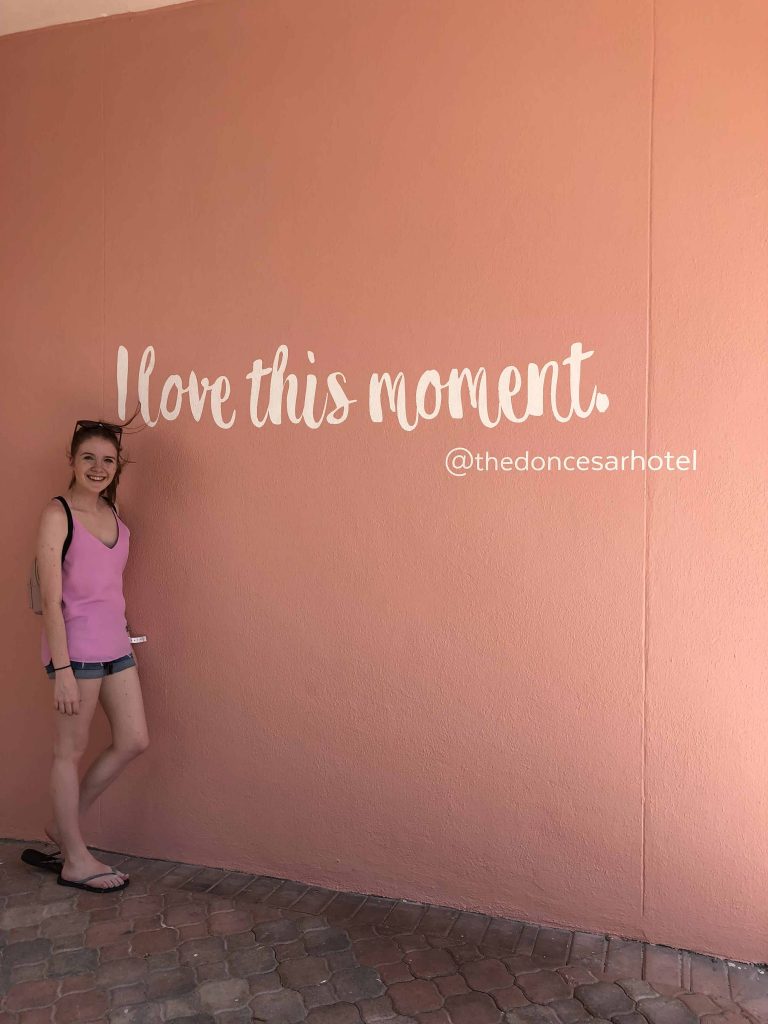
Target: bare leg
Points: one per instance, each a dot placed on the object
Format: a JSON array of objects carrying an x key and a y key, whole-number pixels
[
  {"x": 121, "y": 699},
  {"x": 69, "y": 745}
]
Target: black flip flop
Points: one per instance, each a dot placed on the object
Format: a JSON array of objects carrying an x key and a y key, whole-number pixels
[
  {"x": 45, "y": 861},
  {"x": 81, "y": 883}
]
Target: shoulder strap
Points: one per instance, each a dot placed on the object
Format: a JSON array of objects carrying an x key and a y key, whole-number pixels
[{"x": 70, "y": 528}]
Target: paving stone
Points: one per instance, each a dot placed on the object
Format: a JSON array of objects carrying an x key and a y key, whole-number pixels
[
  {"x": 202, "y": 951},
  {"x": 166, "y": 984},
  {"x": 409, "y": 942},
  {"x": 25, "y": 934},
  {"x": 527, "y": 939},
  {"x": 229, "y": 922},
  {"x": 105, "y": 914},
  {"x": 430, "y": 963},
  {"x": 374, "y": 952},
  {"x": 466, "y": 954},
  {"x": 240, "y": 940},
  {"x": 140, "y": 906},
  {"x": 105, "y": 932},
  {"x": 758, "y": 1008},
  {"x": 257, "y": 960},
  {"x": 412, "y": 997},
  {"x": 698, "y": 1003},
  {"x": 261, "y": 983},
  {"x": 319, "y": 995},
  {"x": 451, "y": 984},
  {"x": 337, "y": 1013},
  {"x": 569, "y": 1010},
  {"x": 603, "y": 999},
  {"x": 157, "y": 941},
  {"x": 127, "y": 995},
  {"x": 28, "y": 972},
  {"x": 374, "y": 1010},
  {"x": 637, "y": 989},
  {"x": 576, "y": 974},
  {"x": 663, "y": 965},
  {"x": 341, "y": 959},
  {"x": 544, "y": 986},
  {"x": 185, "y": 913},
  {"x": 28, "y": 994},
  {"x": 309, "y": 970},
  {"x": 180, "y": 1006},
  {"x": 195, "y": 1018},
  {"x": 121, "y": 972},
  {"x": 503, "y": 934},
  {"x": 509, "y": 998},
  {"x": 391, "y": 973},
  {"x": 472, "y": 1008},
  {"x": 228, "y": 994},
  {"x": 67, "y": 942},
  {"x": 140, "y": 1013},
  {"x": 162, "y": 961},
  {"x": 487, "y": 975},
  {"x": 66, "y": 924},
  {"x": 42, "y": 1015},
  {"x": 354, "y": 983},
  {"x": 520, "y": 964},
  {"x": 710, "y": 976},
  {"x": 283, "y": 1006},
  {"x": 533, "y": 1014},
  {"x": 291, "y": 950},
  {"x": 666, "y": 1011},
  {"x": 23, "y": 916},
  {"x": 628, "y": 1018},
  {"x": 149, "y": 923},
  {"x": 551, "y": 946},
  {"x": 748, "y": 982},
  {"x": 271, "y": 932},
  {"x": 81, "y": 1006},
  {"x": 342, "y": 907},
  {"x": 232, "y": 883},
  {"x": 241, "y": 1016},
  {"x": 77, "y": 983},
  {"x": 76, "y": 961},
  {"x": 374, "y": 910},
  {"x": 328, "y": 940},
  {"x": 212, "y": 972},
  {"x": 115, "y": 951}
]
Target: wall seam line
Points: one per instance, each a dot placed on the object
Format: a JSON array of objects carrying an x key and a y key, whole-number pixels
[
  {"x": 103, "y": 232},
  {"x": 646, "y": 531}
]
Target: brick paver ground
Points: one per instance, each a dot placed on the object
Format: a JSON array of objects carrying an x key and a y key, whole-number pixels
[{"x": 199, "y": 945}]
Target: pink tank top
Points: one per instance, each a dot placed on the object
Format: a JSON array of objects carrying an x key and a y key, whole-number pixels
[{"x": 92, "y": 596}]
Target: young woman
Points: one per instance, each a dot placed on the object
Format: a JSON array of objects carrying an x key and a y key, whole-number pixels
[{"x": 86, "y": 649}]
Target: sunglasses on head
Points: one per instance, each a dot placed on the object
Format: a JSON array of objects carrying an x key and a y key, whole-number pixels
[{"x": 115, "y": 428}]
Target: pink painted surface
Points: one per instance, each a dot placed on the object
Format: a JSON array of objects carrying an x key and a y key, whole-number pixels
[{"x": 541, "y": 696}]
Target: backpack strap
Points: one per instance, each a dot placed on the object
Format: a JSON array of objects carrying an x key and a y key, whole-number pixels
[{"x": 70, "y": 527}]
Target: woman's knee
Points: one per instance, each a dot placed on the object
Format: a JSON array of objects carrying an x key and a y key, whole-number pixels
[
  {"x": 64, "y": 752},
  {"x": 132, "y": 746}
]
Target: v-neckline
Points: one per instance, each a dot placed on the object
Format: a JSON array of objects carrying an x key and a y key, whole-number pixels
[{"x": 109, "y": 547}]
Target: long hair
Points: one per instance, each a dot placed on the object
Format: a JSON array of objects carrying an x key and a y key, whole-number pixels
[{"x": 103, "y": 430}]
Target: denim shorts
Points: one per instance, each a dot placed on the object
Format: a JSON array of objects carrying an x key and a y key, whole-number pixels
[{"x": 95, "y": 669}]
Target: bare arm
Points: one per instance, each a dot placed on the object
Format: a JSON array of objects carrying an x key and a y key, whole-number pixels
[{"x": 50, "y": 541}]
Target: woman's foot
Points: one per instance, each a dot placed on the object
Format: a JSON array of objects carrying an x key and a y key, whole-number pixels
[
  {"x": 50, "y": 831},
  {"x": 77, "y": 870}
]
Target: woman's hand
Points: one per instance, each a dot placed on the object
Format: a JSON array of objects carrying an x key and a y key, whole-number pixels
[{"x": 66, "y": 693}]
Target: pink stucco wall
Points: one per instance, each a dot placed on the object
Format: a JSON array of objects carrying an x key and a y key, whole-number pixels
[{"x": 541, "y": 695}]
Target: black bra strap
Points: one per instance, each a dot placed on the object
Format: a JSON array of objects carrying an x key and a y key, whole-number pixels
[{"x": 70, "y": 527}]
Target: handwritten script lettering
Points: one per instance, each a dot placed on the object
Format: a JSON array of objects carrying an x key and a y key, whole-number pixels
[{"x": 275, "y": 393}]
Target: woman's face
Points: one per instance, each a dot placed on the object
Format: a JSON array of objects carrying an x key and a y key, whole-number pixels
[{"x": 94, "y": 464}]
